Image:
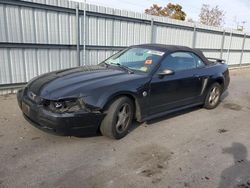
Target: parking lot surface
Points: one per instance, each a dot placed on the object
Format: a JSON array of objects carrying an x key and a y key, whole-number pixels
[{"x": 193, "y": 148}]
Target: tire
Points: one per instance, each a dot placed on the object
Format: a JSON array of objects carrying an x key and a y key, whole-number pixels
[
  {"x": 118, "y": 119},
  {"x": 213, "y": 96}
]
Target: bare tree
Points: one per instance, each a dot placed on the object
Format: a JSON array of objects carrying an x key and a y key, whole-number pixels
[{"x": 211, "y": 16}]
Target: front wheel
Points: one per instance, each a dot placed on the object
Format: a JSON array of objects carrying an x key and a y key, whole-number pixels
[
  {"x": 118, "y": 119},
  {"x": 213, "y": 96}
]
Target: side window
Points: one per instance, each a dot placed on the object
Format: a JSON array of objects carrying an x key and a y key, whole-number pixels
[
  {"x": 199, "y": 62},
  {"x": 179, "y": 61}
]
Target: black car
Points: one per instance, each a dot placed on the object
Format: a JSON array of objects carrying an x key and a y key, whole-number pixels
[{"x": 140, "y": 82}]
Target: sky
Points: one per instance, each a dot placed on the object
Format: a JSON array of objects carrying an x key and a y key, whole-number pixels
[{"x": 235, "y": 10}]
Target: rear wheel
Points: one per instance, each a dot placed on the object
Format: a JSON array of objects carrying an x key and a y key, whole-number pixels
[
  {"x": 213, "y": 96},
  {"x": 118, "y": 119}
]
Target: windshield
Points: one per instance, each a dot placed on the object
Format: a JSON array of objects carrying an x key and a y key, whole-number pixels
[{"x": 136, "y": 59}]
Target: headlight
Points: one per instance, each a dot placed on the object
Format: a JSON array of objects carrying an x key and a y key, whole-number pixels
[{"x": 67, "y": 105}]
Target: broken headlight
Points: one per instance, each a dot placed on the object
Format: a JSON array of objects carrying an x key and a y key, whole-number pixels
[{"x": 66, "y": 105}]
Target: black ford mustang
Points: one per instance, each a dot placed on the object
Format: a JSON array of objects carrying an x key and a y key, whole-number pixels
[{"x": 141, "y": 82}]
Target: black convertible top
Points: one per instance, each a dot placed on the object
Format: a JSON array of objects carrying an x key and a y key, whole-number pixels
[{"x": 173, "y": 48}]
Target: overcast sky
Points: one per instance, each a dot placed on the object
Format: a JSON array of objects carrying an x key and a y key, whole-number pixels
[{"x": 234, "y": 9}]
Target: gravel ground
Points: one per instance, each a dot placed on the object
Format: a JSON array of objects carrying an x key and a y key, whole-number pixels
[{"x": 194, "y": 148}]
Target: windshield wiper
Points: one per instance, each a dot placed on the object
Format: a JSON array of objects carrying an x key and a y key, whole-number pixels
[
  {"x": 123, "y": 67},
  {"x": 106, "y": 64}
]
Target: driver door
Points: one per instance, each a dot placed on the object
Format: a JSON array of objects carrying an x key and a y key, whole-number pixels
[{"x": 179, "y": 89}]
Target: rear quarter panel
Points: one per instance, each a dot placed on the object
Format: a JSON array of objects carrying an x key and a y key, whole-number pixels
[{"x": 217, "y": 72}]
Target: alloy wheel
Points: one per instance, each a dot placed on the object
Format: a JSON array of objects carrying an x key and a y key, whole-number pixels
[
  {"x": 214, "y": 96},
  {"x": 123, "y": 118}
]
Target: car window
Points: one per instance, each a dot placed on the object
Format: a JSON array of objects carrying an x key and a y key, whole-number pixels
[
  {"x": 179, "y": 61},
  {"x": 199, "y": 62},
  {"x": 138, "y": 59}
]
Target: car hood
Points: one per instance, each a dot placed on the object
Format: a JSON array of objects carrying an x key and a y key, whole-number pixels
[{"x": 77, "y": 82}]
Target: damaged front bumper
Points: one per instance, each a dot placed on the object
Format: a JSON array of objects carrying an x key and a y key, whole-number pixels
[{"x": 78, "y": 123}]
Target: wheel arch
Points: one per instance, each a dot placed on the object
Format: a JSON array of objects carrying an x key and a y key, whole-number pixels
[
  {"x": 215, "y": 79},
  {"x": 131, "y": 96},
  {"x": 220, "y": 80}
]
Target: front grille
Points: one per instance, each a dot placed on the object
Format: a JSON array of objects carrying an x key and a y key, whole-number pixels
[{"x": 45, "y": 102}]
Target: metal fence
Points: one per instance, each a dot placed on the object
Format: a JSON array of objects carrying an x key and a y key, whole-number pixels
[{"x": 38, "y": 36}]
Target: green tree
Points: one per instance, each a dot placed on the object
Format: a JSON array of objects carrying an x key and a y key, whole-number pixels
[{"x": 173, "y": 11}]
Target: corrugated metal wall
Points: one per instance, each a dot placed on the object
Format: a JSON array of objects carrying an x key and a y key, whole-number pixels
[{"x": 38, "y": 36}]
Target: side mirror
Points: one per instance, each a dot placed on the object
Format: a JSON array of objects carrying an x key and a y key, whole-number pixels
[{"x": 165, "y": 72}]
